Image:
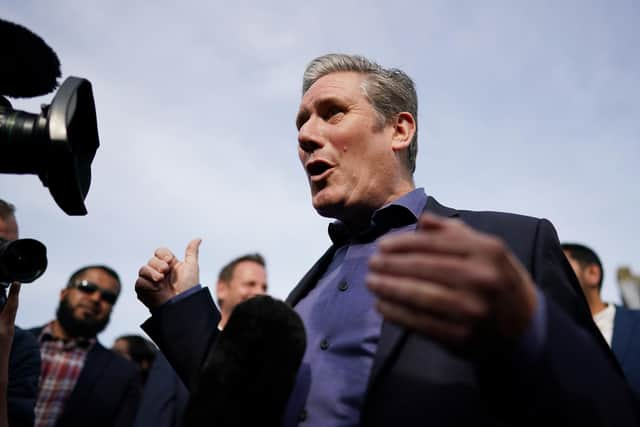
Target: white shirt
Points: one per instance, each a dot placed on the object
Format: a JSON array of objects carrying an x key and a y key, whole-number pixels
[{"x": 604, "y": 321}]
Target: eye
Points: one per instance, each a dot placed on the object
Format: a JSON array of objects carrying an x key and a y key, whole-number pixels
[{"x": 334, "y": 112}]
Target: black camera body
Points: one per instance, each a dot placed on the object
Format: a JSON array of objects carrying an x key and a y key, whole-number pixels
[
  {"x": 59, "y": 143},
  {"x": 22, "y": 260}
]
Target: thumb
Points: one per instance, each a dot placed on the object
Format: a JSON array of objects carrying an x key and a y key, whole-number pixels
[{"x": 191, "y": 254}]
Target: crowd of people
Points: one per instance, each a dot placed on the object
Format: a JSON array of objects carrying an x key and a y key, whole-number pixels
[{"x": 417, "y": 314}]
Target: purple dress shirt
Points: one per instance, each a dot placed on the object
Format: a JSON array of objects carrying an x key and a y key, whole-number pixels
[{"x": 342, "y": 325}]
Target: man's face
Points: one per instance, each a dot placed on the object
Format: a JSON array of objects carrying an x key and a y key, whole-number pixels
[
  {"x": 85, "y": 313},
  {"x": 345, "y": 150},
  {"x": 248, "y": 280},
  {"x": 585, "y": 274},
  {"x": 9, "y": 228}
]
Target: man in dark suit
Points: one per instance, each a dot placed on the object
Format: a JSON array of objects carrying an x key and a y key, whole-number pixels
[
  {"x": 21, "y": 348},
  {"x": 418, "y": 314},
  {"x": 82, "y": 382},
  {"x": 619, "y": 326}
]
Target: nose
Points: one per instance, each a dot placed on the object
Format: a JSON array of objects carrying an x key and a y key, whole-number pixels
[
  {"x": 95, "y": 296},
  {"x": 309, "y": 136}
]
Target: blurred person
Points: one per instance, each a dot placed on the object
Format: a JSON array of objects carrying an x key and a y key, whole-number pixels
[
  {"x": 82, "y": 383},
  {"x": 418, "y": 314},
  {"x": 165, "y": 396},
  {"x": 239, "y": 280},
  {"x": 139, "y": 350},
  {"x": 619, "y": 326},
  {"x": 19, "y": 350}
]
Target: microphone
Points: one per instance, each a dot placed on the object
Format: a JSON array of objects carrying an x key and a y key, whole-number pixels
[
  {"x": 29, "y": 66},
  {"x": 250, "y": 370}
]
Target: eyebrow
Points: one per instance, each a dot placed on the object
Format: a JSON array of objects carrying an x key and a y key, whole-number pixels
[{"x": 303, "y": 114}]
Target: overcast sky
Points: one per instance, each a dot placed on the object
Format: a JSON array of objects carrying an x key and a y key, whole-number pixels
[{"x": 527, "y": 107}]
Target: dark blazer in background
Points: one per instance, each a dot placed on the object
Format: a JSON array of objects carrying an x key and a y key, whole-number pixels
[
  {"x": 107, "y": 392},
  {"x": 626, "y": 344},
  {"x": 417, "y": 382},
  {"x": 24, "y": 372},
  {"x": 164, "y": 397}
]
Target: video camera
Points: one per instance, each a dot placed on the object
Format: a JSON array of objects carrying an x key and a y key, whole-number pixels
[{"x": 58, "y": 144}]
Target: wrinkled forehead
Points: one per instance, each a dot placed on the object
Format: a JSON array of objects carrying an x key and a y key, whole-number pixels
[{"x": 343, "y": 86}]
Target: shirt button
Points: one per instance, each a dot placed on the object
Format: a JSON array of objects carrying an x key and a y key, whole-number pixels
[
  {"x": 324, "y": 344},
  {"x": 343, "y": 286},
  {"x": 302, "y": 416}
]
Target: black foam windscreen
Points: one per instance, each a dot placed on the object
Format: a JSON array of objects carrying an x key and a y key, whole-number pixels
[
  {"x": 29, "y": 67},
  {"x": 250, "y": 370}
]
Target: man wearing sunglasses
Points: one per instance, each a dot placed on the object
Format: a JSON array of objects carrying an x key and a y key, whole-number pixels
[{"x": 82, "y": 382}]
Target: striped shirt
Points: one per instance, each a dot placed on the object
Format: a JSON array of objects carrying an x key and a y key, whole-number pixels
[{"x": 62, "y": 362}]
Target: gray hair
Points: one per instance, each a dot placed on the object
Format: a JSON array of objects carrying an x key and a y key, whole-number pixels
[{"x": 390, "y": 91}]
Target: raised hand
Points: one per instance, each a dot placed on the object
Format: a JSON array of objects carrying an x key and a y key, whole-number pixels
[
  {"x": 165, "y": 276},
  {"x": 453, "y": 284},
  {"x": 8, "y": 316}
]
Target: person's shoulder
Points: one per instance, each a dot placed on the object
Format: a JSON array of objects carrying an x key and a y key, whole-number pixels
[
  {"x": 34, "y": 331},
  {"x": 486, "y": 219},
  {"x": 25, "y": 338},
  {"x": 115, "y": 360},
  {"x": 629, "y": 312}
]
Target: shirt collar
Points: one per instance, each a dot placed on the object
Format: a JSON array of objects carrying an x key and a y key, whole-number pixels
[
  {"x": 80, "y": 342},
  {"x": 399, "y": 213}
]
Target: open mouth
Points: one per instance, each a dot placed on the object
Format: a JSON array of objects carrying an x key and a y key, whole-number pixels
[{"x": 318, "y": 169}]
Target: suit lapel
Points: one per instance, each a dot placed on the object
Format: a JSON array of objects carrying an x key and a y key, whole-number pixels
[
  {"x": 94, "y": 367},
  {"x": 311, "y": 278},
  {"x": 622, "y": 326},
  {"x": 391, "y": 336}
]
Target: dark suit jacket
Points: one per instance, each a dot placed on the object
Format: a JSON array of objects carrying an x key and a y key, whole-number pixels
[
  {"x": 626, "y": 344},
  {"x": 24, "y": 372},
  {"x": 415, "y": 381},
  {"x": 106, "y": 394},
  {"x": 164, "y": 397}
]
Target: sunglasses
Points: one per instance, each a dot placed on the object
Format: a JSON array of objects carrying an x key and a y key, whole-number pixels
[{"x": 90, "y": 288}]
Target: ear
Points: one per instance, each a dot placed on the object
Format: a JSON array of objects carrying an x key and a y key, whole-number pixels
[
  {"x": 63, "y": 293},
  {"x": 404, "y": 127},
  {"x": 221, "y": 290}
]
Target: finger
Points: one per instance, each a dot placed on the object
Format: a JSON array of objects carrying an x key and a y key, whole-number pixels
[
  {"x": 430, "y": 221},
  {"x": 433, "y": 267},
  {"x": 192, "y": 251},
  {"x": 11, "y": 307},
  {"x": 453, "y": 333},
  {"x": 145, "y": 285},
  {"x": 158, "y": 265},
  {"x": 164, "y": 254},
  {"x": 148, "y": 273},
  {"x": 434, "y": 241},
  {"x": 456, "y": 272},
  {"x": 428, "y": 298}
]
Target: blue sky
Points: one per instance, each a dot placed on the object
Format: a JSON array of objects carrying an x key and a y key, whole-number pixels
[{"x": 527, "y": 107}]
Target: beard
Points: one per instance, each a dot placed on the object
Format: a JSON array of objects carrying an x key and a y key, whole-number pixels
[{"x": 85, "y": 328}]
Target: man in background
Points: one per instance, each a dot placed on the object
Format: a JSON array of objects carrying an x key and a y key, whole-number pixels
[
  {"x": 165, "y": 397},
  {"x": 619, "y": 326},
  {"x": 239, "y": 280},
  {"x": 82, "y": 383},
  {"x": 23, "y": 369}
]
